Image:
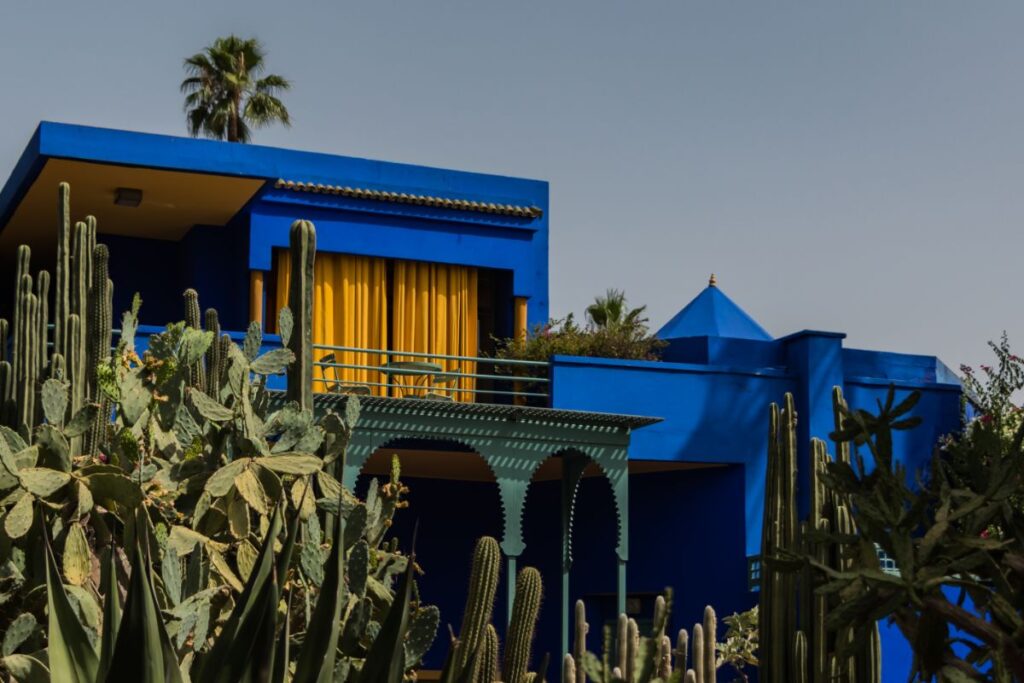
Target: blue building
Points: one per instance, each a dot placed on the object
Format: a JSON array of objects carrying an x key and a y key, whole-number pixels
[{"x": 615, "y": 477}]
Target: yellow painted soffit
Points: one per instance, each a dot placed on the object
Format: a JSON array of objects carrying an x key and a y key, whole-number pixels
[{"x": 172, "y": 201}]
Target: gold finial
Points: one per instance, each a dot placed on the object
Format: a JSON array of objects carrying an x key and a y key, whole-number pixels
[{"x": 712, "y": 281}]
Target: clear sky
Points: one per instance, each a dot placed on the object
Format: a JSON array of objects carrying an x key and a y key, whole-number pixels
[{"x": 849, "y": 166}]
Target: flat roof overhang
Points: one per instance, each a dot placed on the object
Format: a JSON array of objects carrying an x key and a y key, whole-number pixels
[{"x": 187, "y": 182}]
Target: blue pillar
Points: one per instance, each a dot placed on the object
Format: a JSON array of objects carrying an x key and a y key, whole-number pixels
[{"x": 816, "y": 360}]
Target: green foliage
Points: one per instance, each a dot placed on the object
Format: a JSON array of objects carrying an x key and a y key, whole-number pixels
[
  {"x": 221, "y": 500},
  {"x": 225, "y": 94},
  {"x": 739, "y": 649},
  {"x": 954, "y": 533},
  {"x": 611, "y": 311},
  {"x": 566, "y": 337}
]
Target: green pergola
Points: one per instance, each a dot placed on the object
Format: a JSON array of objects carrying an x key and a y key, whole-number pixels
[{"x": 513, "y": 441}]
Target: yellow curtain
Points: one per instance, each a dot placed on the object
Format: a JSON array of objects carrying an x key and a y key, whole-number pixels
[
  {"x": 435, "y": 311},
  {"x": 349, "y": 309}
]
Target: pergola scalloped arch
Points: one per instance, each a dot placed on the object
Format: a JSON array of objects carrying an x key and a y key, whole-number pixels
[{"x": 513, "y": 442}]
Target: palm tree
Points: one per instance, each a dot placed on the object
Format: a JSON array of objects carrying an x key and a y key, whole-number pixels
[
  {"x": 610, "y": 311},
  {"x": 225, "y": 97}
]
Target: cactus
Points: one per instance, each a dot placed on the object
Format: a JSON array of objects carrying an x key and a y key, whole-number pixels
[
  {"x": 213, "y": 359},
  {"x": 525, "y": 609},
  {"x": 710, "y": 638},
  {"x": 100, "y": 340},
  {"x": 795, "y": 642},
  {"x": 579, "y": 641},
  {"x": 62, "y": 274},
  {"x": 196, "y": 373},
  {"x": 569, "y": 672},
  {"x": 621, "y": 636},
  {"x": 300, "y": 302},
  {"x": 483, "y": 585},
  {"x": 486, "y": 666},
  {"x": 4, "y": 334},
  {"x": 682, "y": 646},
  {"x": 43, "y": 297}
]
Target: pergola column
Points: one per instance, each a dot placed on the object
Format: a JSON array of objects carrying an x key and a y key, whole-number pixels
[{"x": 573, "y": 465}]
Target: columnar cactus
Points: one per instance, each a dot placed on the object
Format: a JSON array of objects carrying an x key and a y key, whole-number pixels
[
  {"x": 525, "y": 609},
  {"x": 795, "y": 643},
  {"x": 43, "y": 296},
  {"x": 486, "y": 668},
  {"x": 213, "y": 353},
  {"x": 300, "y": 301},
  {"x": 100, "y": 340},
  {"x": 682, "y": 647},
  {"x": 193, "y": 319},
  {"x": 579, "y": 641},
  {"x": 710, "y": 638},
  {"x": 62, "y": 276},
  {"x": 483, "y": 585}
]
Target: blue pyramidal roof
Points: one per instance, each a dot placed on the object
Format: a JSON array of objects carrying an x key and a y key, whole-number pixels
[{"x": 713, "y": 314}]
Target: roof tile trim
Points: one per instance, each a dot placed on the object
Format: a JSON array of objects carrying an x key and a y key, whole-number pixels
[{"x": 418, "y": 199}]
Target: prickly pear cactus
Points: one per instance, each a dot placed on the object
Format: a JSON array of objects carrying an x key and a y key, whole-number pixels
[{"x": 105, "y": 450}]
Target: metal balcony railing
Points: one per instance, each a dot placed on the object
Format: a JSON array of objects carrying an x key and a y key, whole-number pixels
[{"x": 410, "y": 374}]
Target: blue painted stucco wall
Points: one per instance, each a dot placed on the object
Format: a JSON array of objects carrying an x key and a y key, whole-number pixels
[
  {"x": 216, "y": 259},
  {"x": 717, "y": 411}
]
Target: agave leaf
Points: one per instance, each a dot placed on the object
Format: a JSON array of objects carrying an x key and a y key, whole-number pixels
[
  {"x": 319, "y": 649},
  {"x": 142, "y": 651},
  {"x": 71, "y": 655},
  {"x": 111, "y": 610},
  {"x": 291, "y": 463},
  {"x": 237, "y": 643}
]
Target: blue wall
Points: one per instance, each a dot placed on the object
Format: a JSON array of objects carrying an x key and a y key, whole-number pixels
[
  {"x": 521, "y": 250},
  {"x": 711, "y": 414}
]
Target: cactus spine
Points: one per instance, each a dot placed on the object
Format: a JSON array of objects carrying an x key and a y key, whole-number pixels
[
  {"x": 483, "y": 585},
  {"x": 525, "y": 608},
  {"x": 300, "y": 301}
]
